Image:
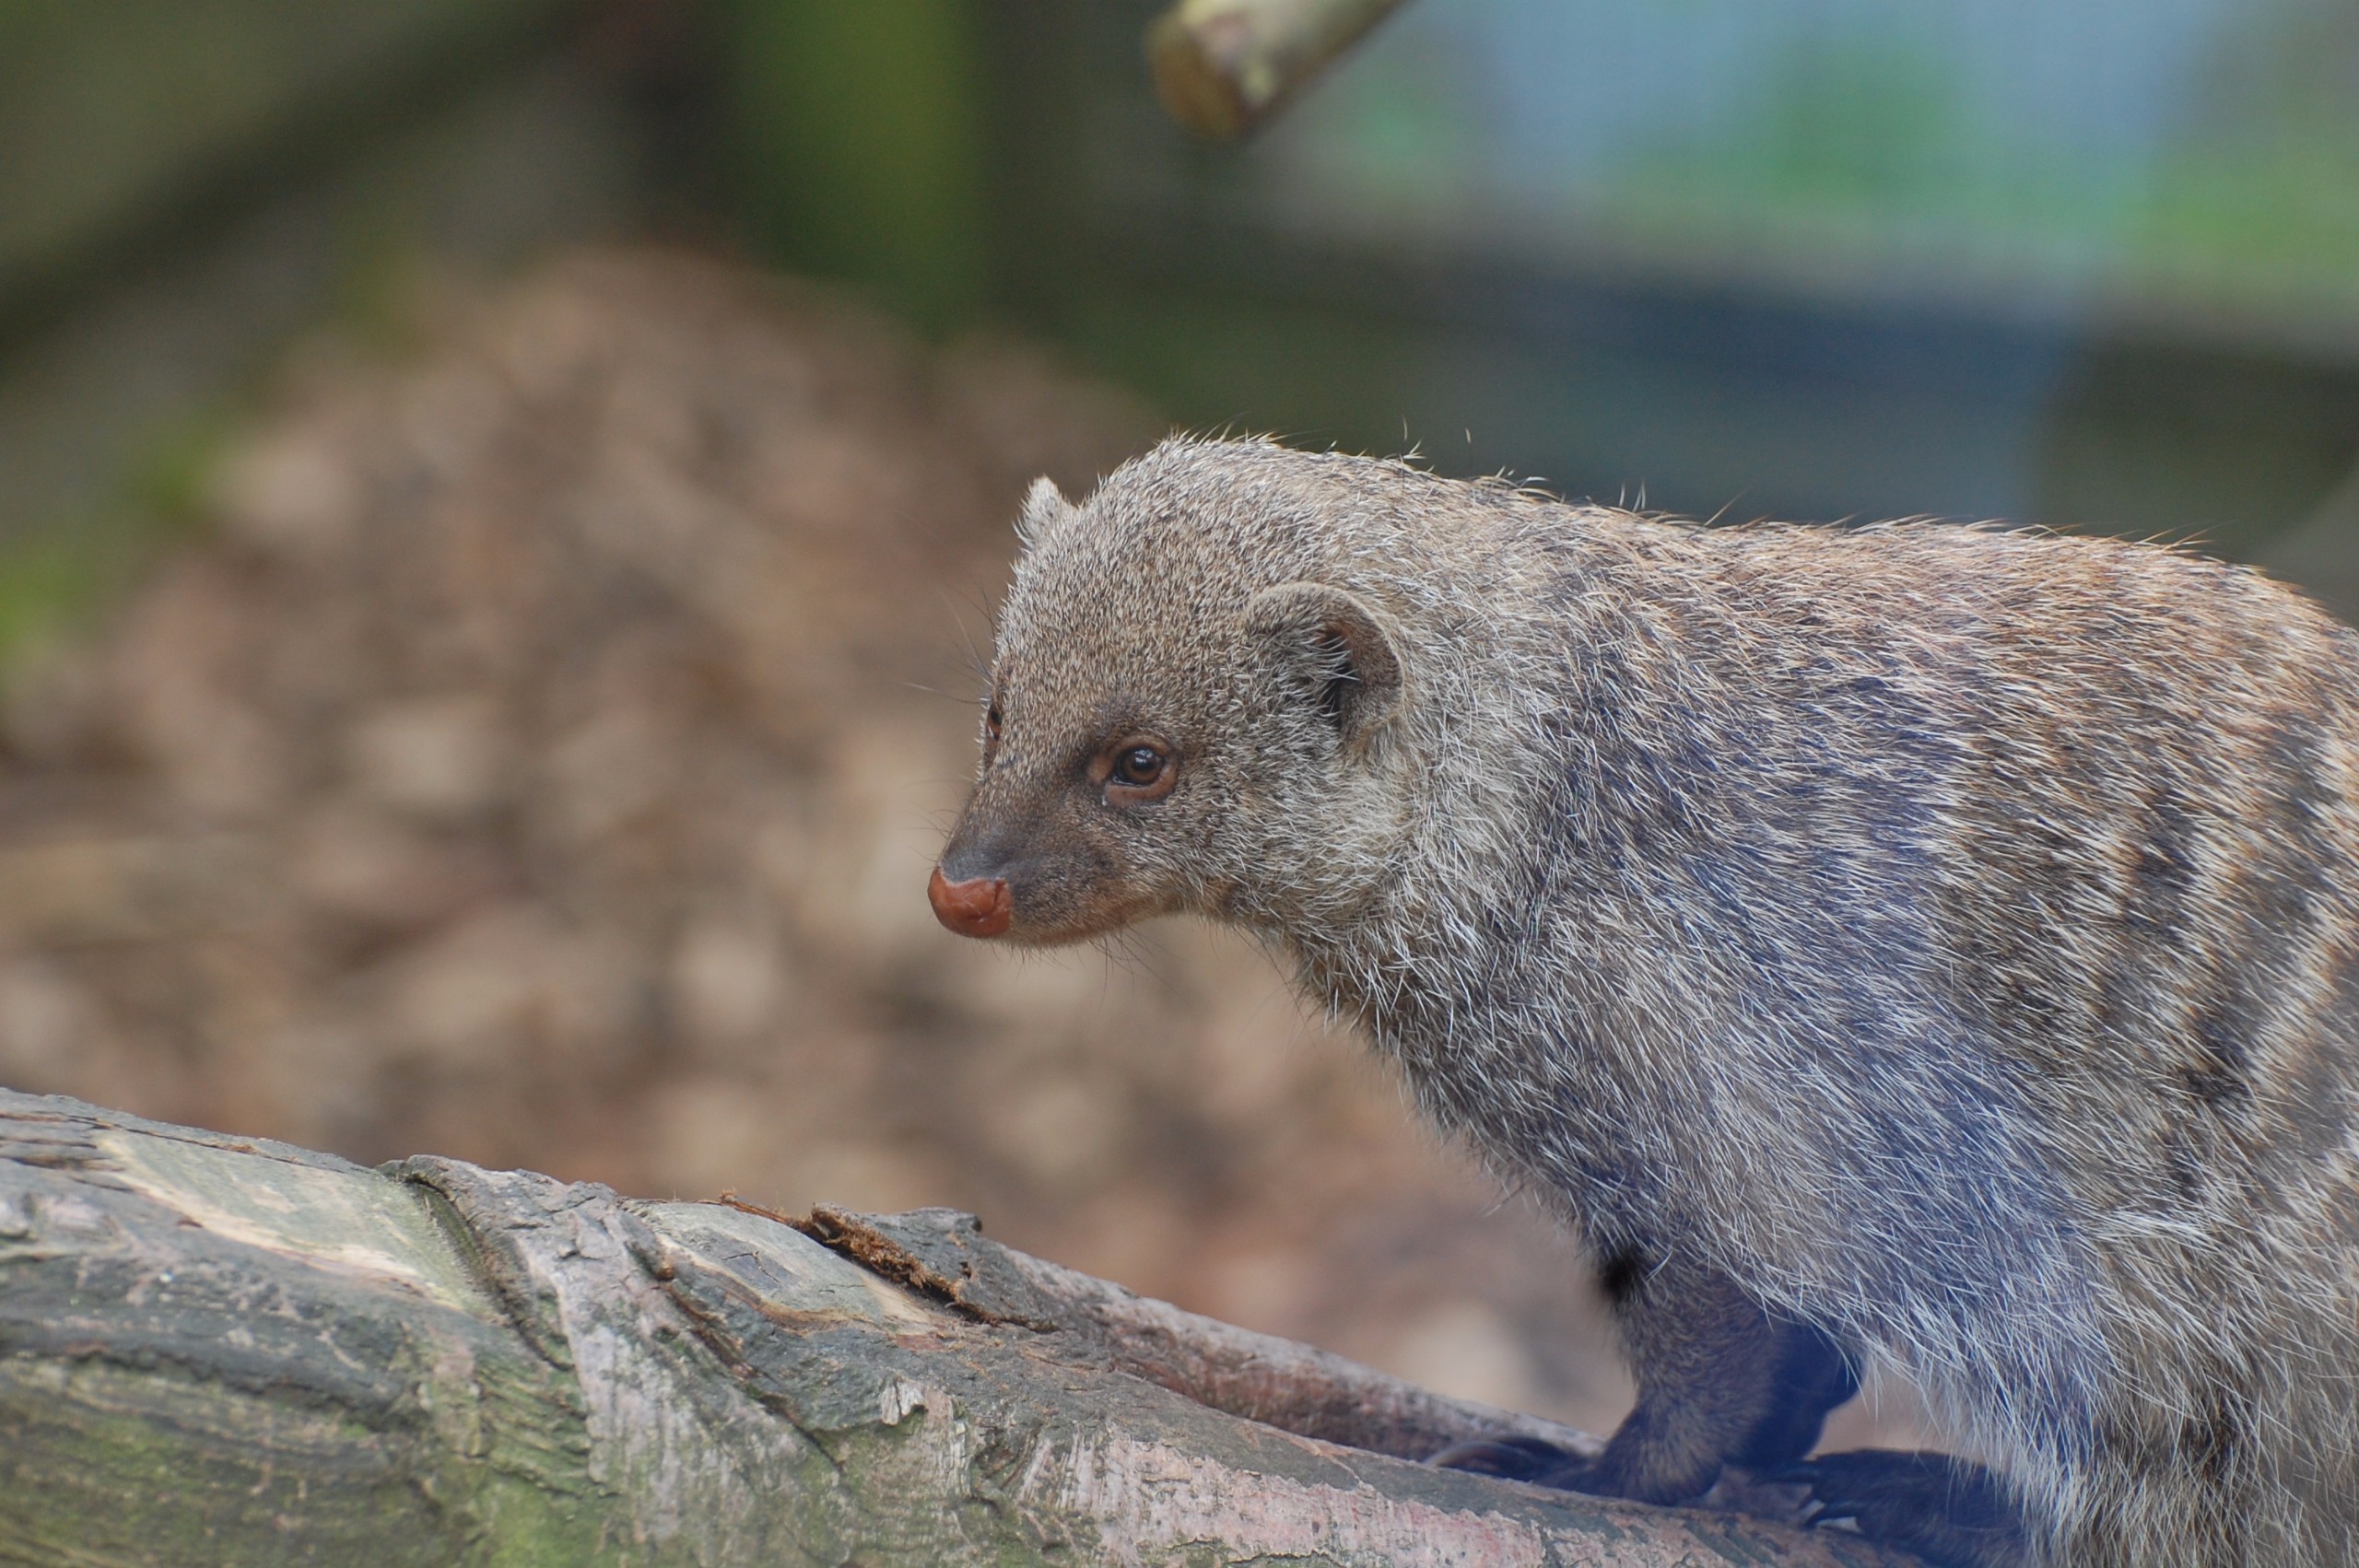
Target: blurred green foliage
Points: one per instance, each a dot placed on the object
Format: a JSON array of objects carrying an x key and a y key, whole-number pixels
[
  {"x": 114, "y": 114},
  {"x": 52, "y": 577},
  {"x": 2269, "y": 184},
  {"x": 1864, "y": 122},
  {"x": 855, "y": 136}
]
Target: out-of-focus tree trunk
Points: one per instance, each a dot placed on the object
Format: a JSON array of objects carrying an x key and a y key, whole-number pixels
[{"x": 215, "y": 1350}]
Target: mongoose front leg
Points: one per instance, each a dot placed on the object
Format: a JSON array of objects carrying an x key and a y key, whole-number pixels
[{"x": 1721, "y": 1382}]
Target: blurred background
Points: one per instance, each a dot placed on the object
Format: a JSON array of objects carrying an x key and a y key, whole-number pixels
[{"x": 500, "y": 499}]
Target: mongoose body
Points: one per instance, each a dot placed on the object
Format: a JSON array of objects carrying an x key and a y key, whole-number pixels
[{"x": 1927, "y": 948}]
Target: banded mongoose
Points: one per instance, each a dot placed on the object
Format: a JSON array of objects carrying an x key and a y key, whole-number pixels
[{"x": 1922, "y": 948}]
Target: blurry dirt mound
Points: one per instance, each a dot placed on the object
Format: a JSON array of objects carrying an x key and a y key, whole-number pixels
[{"x": 540, "y": 763}]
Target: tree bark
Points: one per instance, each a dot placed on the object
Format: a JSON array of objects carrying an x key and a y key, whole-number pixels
[{"x": 216, "y": 1349}]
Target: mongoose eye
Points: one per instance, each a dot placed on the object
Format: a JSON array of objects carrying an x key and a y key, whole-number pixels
[
  {"x": 1137, "y": 769},
  {"x": 991, "y": 733}
]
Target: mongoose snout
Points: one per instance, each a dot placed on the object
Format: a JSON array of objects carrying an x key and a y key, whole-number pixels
[
  {"x": 980, "y": 907},
  {"x": 1927, "y": 949}
]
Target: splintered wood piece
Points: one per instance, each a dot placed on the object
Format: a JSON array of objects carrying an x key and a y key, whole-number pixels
[{"x": 1223, "y": 66}]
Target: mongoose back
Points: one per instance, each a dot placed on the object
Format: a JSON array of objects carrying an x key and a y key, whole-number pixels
[{"x": 1922, "y": 948}]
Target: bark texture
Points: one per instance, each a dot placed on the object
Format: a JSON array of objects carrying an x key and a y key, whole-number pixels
[{"x": 219, "y": 1350}]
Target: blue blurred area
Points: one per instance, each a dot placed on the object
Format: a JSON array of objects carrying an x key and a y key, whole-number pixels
[
  {"x": 2092, "y": 263},
  {"x": 1953, "y": 145},
  {"x": 2179, "y": 158}
]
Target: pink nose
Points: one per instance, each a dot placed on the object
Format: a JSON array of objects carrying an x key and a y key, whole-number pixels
[{"x": 980, "y": 907}]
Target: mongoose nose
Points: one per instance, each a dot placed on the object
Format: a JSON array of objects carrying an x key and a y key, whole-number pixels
[{"x": 980, "y": 908}]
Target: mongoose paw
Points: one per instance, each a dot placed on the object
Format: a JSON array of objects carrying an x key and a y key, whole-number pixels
[
  {"x": 1519, "y": 1458},
  {"x": 1951, "y": 1512}
]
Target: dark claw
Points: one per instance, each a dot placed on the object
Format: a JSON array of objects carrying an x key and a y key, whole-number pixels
[
  {"x": 1952, "y": 1513},
  {"x": 1516, "y": 1458}
]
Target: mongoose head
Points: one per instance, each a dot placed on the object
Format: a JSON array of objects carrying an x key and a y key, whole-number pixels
[{"x": 1187, "y": 712}]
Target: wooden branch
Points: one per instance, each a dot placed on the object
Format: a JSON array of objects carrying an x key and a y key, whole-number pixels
[
  {"x": 215, "y": 1350},
  {"x": 1223, "y": 66},
  {"x": 1258, "y": 1376}
]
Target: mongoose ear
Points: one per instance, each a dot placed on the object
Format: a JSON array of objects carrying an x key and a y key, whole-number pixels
[
  {"x": 1043, "y": 504},
  {"x": 1332, "y": 647}
]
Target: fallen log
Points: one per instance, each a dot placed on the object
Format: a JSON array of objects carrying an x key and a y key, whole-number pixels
[{"x": 219, "y": 1350}]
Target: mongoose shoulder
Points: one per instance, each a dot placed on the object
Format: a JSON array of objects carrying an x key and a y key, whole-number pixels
[{"x": 1926, "y": 948}]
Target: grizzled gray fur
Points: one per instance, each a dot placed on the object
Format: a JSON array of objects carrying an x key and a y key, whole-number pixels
[{"x": 1922, "y": 949}]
